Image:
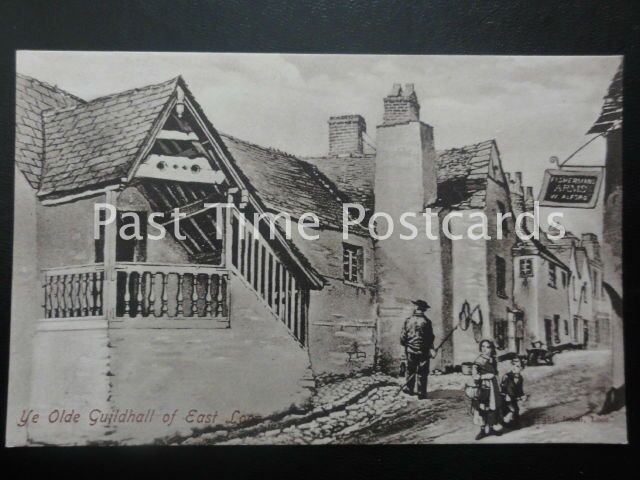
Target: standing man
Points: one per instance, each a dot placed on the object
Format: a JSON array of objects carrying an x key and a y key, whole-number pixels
[{"x": 417, "y": 339}]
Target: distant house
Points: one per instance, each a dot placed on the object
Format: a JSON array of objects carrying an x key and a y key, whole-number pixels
[{"x": 541, "y": 286}]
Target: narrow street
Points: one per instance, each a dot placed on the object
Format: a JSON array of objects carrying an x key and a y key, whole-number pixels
[{"x": 562, "y": 406}]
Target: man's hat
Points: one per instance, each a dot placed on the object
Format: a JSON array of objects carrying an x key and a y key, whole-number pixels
[{"x": 421, "y": 304}]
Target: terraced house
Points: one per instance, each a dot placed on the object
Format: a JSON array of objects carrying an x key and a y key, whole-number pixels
[{"x": 133, "y": 321}]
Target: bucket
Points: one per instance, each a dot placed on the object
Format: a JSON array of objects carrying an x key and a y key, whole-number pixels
[
  {"x": 467, "y": 368},
  {"x": 472, "y": 391}
]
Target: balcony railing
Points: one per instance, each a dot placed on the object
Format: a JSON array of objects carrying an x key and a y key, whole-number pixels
[
  {"x": 171, "y": 291},
  {"x": 74, "y": 291},
  {"x": 140, "y": 290}
]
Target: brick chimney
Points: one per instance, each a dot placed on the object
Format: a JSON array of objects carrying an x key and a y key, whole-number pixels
[
  {"x": 405, "y": 178},
  {"x": 401, "y": 106},
  {"x": 516, "y": 192},
  {"x": 345, "y": 135},
  {"x": 529, "y": 199}
]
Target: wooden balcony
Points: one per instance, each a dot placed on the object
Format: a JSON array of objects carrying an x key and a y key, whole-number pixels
[{"x": 141, "y": 295}]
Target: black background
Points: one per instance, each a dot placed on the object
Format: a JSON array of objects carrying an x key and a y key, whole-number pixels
[{"x": 435, "y": 27}]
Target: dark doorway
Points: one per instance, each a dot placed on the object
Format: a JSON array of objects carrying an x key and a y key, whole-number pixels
[
  {"x": 519, "y": 332},
  {"x": 548, "y": 332},
  {"x": 130, "y": 250},
  {"x": 585, "y": 334}
]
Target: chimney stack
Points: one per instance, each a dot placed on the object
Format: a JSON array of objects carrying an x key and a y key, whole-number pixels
[
  {"x": 529, "y": 199},
  {"x": 345, "y": 135},
  {"x": 401, "y": 106},
  {"x": 519, "y": 179},
  {"x": 591, "y": 244},
  {"x": 405, "y": 156}
]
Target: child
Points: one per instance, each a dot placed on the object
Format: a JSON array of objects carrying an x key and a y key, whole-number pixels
[{"x": 512, "y": 392}]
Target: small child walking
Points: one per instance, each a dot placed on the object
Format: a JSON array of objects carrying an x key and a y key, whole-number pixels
[{"x": 512, "y": 389}]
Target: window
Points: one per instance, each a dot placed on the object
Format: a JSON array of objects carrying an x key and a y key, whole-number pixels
[
  {"x": 501, "y": 282},
  {"x": 565, "y": 279},
  {"x": 352, "y": 261},
  {"x": 526, "y": 267},
  {"x": 504, "y": 222},
  {"x": 552, "y": 276},
  {"x": 566, "y": 327},
  {"x": 556, "y": 328},
  {"x": 573, "y": 287},
  {"x": 584, "y": 293}
]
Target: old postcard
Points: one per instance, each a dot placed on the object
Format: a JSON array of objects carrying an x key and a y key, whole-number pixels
[{"x": 217, "y": 249}]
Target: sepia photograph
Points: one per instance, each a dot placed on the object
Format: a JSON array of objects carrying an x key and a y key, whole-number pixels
[{"x": 311, "y": 249}]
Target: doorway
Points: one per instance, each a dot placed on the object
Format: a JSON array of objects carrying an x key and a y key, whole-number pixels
[
  {"x": 548, "y": 332},
  {"x": 585, "y": 334},
  {"x": 130, "y": 250}
]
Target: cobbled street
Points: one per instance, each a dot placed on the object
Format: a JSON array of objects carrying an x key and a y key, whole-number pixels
[{"x": 562, "y": 407}]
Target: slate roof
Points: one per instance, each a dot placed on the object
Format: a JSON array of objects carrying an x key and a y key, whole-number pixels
[
  {"x": 562, "y": 249},
  {"x": 96, "y": 142},
  {"x": 462, "y": 176},
  {"x": 354, "y": 175},
  {"x": 611, "y": 115},
  {"x": 32, "y": 98},
  {"x": 287, "y": 184}
]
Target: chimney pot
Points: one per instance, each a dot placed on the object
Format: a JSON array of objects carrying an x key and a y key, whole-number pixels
[{"x": 401, "y": 106}]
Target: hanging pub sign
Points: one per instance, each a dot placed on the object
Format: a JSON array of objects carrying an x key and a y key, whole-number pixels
[{"x": 577, "y": 188}]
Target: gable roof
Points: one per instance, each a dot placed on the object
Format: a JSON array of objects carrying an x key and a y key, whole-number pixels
[
  {"x": 462, "y": 175},
  {"x": 32, "y": 98},
  {"x": 287, "y": 184},
  {"x": 611, "y": 115},
  {"x": 96, "y": 142},
  {"x": 354, "y": 175}
]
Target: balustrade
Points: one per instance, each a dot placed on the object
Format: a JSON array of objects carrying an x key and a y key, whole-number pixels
[
  {"x": 73, "y": 291},
  {"x": 259, "y": 265},
  {"x": 142, "y": 290}
]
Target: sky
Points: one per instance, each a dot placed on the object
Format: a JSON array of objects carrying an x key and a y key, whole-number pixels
[{"x": 535, "y": 107}]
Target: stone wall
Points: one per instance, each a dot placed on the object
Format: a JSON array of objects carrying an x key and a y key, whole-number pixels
[
  {"x": 25, "y": 306},
  {"x": 409, "y": 270},
  {"x": 65, "y": 233},
  {"x": 499, "y": 305},
  {"x": 253, "y": 368},
  {"x": 342, "y": 316},
  {"x": 470, "y": 284}
]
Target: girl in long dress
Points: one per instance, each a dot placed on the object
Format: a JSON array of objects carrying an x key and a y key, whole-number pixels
[{"x": 487, "y": 407}]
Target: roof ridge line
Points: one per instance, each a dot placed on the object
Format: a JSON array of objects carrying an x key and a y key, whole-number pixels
[
  {"x": 86, "y": 103},
  {"x": 262, "y": 147},
  {"x": 48, "y": 86},
  {"x": 489, "y": 141}
]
